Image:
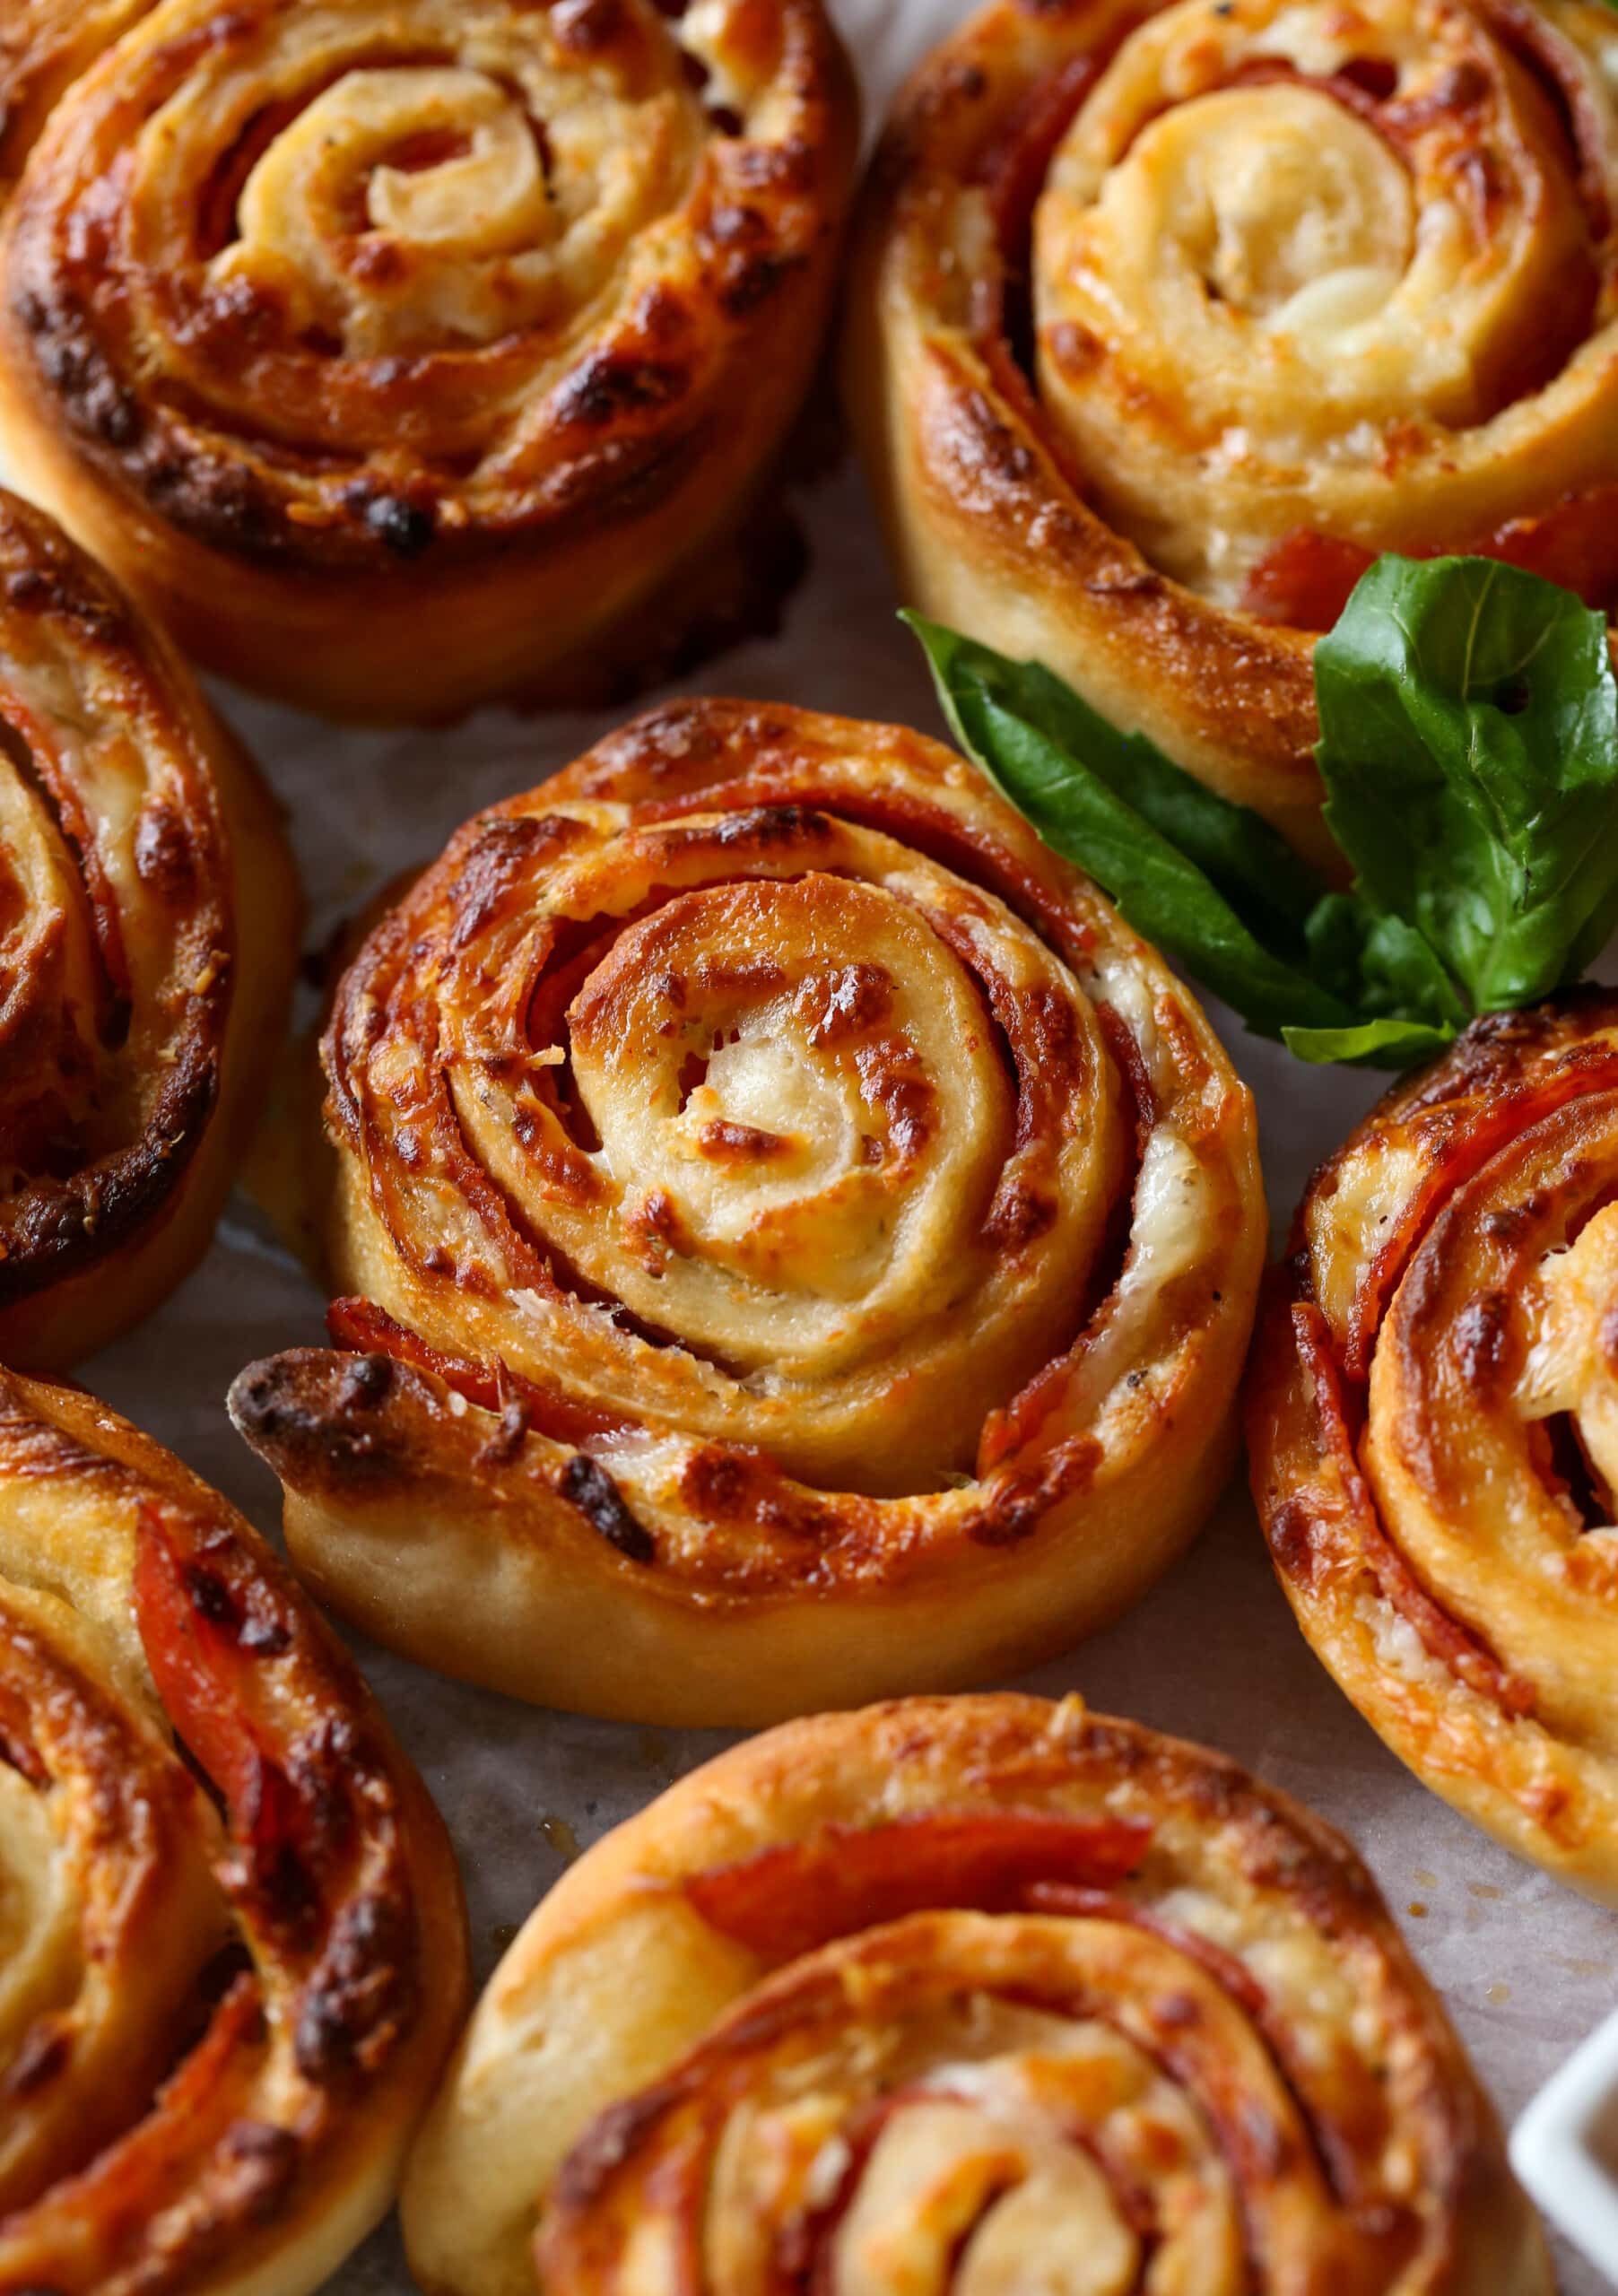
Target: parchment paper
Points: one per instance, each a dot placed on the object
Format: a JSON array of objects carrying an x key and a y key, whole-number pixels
[{"x": 1526, "y": 1968}]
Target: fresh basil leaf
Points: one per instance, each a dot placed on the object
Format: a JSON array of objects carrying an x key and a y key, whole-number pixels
[
  {"x": 1380, "y": 965},
  {"x": 1252, "y": 865},
  {"x": 1372, "y": 1044},
  {"x": 1469, "y": 747},
  {"x": 1164, "y": 894}
]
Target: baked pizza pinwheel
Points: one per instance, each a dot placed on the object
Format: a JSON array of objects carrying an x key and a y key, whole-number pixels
[
  {"x": 971, "y": 1995},
  {"x": 1170, "y": 318},
  {"x": 149, "y": 925},
  {"x": 1433, "y": 1433},
  {"x": 795, "y": 1241},
  {"x": 232, "y": 1954},
  {"x": 409, "y": 353}
]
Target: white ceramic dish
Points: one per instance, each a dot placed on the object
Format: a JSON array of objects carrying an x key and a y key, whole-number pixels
[{"x": 1565, "y": 2148}]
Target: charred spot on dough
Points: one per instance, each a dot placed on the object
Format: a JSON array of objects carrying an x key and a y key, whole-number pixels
[
  {"x": 725, "y": 1486},
  {"x": 724, "y": 1142},
  {"x": 265, "y": 2160},
  {"x": 68, "y": 1224},
  {"x": 670, "y": 741},
  {"x": 357, "y": 1991},
  {"x": 1012, "y": 1513},
  {"x": 586, "y": 1485},
  {"x": 565, "y": 1168},
  {"x": 653, "y": 1228},
  {"x": 609, "y": 385},
  {"x": 748, "y": 259},
  {"x": 76, "y": 368},
  {"x": 209, "y": 1595},
  {"x": 788, "y": 167},
  {"x": 766, "y": 829},
  {"x": 366, "y": 1381},
  {"x": 751, "y": 282},
  {"x": 892, "y": 1078},
  {"x": 965, "y": 81},
  {"x": 378, "y": 262},
  {"x": 407, "y": 528},
  {"x": 1298, "y": 1540},
  {"x": 1482, "y": 1333},
  {"x": 1511, "y": 1222},
  {"x": 163, "y": 856},
  {"x": 292, "y": 1409},
  {"x": 1461, "y": 87},
  {"x": 985, "y": 450},
  {"x": 609, "y": 2141},
  {"x": 220, "y": 500},
  {"x": 493, "y": 858},
  {"x": 261, "y": 1634},
  {"x": 32, "y": 589},
  {"x": 1017, "y": 1217},
  {"x": 752, "y": 977},
  {"x": 679, "y": 741},
  {"x": 837, "y": 1005},
  {"x": 1011, "y": 1507},
  {"x": 510, "y": 1432},
  {"x": 1059, "y": 1054},
  {"x": 1074, "y": 349}
]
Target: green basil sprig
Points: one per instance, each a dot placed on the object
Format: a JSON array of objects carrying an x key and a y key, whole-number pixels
[{"x": 1469, "y": 751}]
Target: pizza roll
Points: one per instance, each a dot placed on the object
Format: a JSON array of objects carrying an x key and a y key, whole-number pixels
[
  {"x": 965, "y": 1994},
  {"x": 232, "y": 1952},
  {"x": 794, "y": 1240},
  {"x": 149, "y": 929},
  {"x": 410, "y": 352},
  {"x": 1433, "y": 1427}
]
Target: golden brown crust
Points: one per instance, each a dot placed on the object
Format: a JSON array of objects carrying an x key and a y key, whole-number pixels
[
  {"x": 733, "y": 1326},
  {"x": 1430, "y": 1429},
  {"x": 958, "y": 1981},
  {"x": 148, "y": 936},
  {"x": 1166, "y": 319},
  {"x": 44, "y": 45},
  {"x": 223, "y": 2005},
  {"x": 402, "y": 354}
]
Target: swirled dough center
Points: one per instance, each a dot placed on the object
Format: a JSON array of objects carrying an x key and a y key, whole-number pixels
[
  {"x": 975, "y": 2136},
  {"x": 813, "y": 1131},
  {"x": 419, "y": 206},
  {"x": 1297, "y": 272},
  {"x": 1282, "y": 205}
]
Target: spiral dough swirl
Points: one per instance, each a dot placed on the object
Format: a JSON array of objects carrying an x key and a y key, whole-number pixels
[
  {"x": 971, "y": 1995},
  {"x": 471, "y": 325},
  {"x": 221, "y": 2011},
  {"x": 849, "y": 1217},
  {"x": 1432, "y": 1428}
]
